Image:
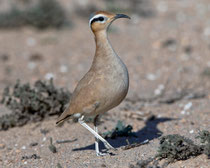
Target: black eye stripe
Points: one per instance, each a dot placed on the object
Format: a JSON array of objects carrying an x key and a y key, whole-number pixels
[
  {"x": 101, "y": 19},
  {"x": 97, "y": 19}
]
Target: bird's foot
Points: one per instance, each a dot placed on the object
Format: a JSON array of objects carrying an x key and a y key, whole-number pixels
[
  {"x": 109, "y": 147},
  {"x": 100, "y": 154}
]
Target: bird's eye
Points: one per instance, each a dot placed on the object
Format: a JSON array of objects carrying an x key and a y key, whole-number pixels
[{"x": 101, "y": 19}]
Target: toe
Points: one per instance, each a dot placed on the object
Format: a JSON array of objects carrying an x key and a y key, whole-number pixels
[{"x": 100, "y": 154}]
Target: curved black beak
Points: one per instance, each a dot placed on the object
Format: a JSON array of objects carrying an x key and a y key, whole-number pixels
[{"x": 121, "y": 16}]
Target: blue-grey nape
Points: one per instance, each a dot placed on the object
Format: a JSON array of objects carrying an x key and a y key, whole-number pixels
[{"x": 91, "y": 15}]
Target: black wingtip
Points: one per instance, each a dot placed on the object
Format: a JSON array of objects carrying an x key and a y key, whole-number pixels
[{"x": 63, "y": 119}]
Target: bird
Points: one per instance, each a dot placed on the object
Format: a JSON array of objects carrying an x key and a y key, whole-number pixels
[{"x": 106, "y": 83}]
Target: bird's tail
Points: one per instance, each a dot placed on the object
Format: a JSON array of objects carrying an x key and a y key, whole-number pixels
[{"x": 63, "y": 117}]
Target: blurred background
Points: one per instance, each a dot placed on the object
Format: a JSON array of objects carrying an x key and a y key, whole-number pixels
[
  {"x": 165, "y": 42},
  {"x": 165, "y": 45}
]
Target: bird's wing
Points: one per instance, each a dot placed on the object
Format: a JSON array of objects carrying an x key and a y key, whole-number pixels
[{"x": 86, "y": 96}]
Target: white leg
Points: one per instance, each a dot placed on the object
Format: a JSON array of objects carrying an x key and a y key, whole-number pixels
[
  {"x": 106, "y": 144},
  {"x": 98, "y": 153},
  {"x": 96, "y": 141}
]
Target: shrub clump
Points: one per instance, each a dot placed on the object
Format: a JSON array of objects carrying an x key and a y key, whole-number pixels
[
  {"x": 205, "y": 139},
  {"x": 177, "y": 147},
  {"x": 45, "y": 14},
  {"x": 120, "y": 130},
  {"x": 32, "y": 103}
]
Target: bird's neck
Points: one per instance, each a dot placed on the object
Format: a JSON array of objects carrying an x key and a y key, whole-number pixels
[
  {"x": 101, "y": 37},
  {"x": 104, "y": 51}
]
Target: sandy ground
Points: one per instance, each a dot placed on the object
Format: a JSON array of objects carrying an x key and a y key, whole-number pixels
[{"x": 166, "y": 55}]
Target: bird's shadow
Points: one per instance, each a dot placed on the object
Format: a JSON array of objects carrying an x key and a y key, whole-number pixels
[{"x": 148, "y": 132}]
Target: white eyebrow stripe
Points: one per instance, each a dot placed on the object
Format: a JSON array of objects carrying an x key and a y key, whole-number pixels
[{"x": 96, "y": 16}]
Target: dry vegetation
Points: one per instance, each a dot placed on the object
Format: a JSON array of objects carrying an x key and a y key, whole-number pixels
[{"x": 164, "y": 121}]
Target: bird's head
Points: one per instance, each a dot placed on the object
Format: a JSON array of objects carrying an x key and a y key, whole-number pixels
[{"x": 101, "y": 20}]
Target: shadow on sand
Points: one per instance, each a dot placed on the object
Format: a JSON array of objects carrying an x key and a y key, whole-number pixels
[{"x": 149, "y": 131}]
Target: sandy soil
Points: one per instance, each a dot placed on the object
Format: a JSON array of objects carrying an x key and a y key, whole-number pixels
[{"x": 166, "y": 55}]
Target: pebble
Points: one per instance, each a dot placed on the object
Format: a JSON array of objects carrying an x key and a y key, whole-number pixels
[
  {"x": 151, "y": 77},
  {"x": 188, "y": 106},
  {"x": 33, "y": 144},
  {"x": 48, "y": 76},
  {"x": 183, "y": 112},
  {"x": 191, "y": 131},
  {"x": 44, "y": 139},
  {"x": 23, "y": 147},
  {"x": 159, "y": 89},
  {"x": 63, "y": 69},
  {"x": 2, "y": 146}
]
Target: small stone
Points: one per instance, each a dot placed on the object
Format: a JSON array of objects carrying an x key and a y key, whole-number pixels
[
  {"x": 188, "y": 49},
  {"x": 151, "y": 77},
  {"x": 4, "y": 57},
  {"x": 159, "y": 90},
  {"x": 188, "y": 106},
  {"x": 183, "y": 112},
  {"x": 33, "y": 144},
  {"x": 44, "y": 131},
  {"x": 48, "y": 76},
  {"x": 33, "y": 156},
  {"x": 169, "y": 42},
  {"x": 191, "y": 131},
  {"x": 36, "y": 57},
  {"x": 23, "y": 147},
  {"x": 2, "y": 146},
  {"x": 63, "y": 68}
]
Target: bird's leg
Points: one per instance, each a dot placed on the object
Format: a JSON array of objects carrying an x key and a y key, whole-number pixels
[
  {"x": 96, "y": 139},
  {"x": 98, "y": 153},
  {"x": 106, "y": 144}
]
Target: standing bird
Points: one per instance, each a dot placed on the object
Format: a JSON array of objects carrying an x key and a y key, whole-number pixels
[{"x": 106, "y": 83}]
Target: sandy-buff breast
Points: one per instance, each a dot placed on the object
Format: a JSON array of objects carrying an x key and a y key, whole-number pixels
[{"x": 100, "y": 90}]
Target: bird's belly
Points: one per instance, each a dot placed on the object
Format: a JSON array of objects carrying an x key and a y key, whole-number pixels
[{"x": 114, "y": 91}]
